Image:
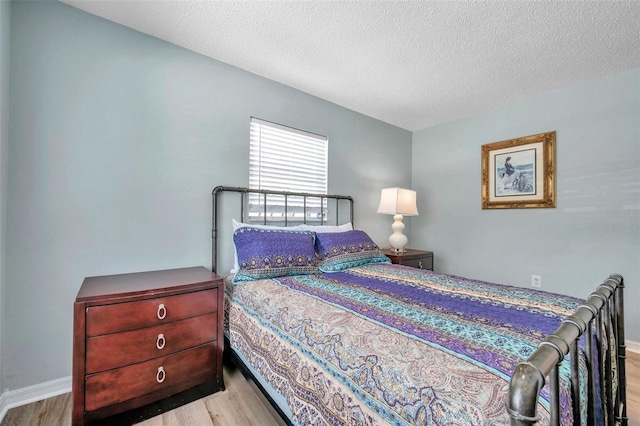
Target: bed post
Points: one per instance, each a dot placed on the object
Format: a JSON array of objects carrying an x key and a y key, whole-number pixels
[
  {"x": 621, "y": 397},
  {"x": 214, "y": 227},
  {"x": 526, "y": 382}
]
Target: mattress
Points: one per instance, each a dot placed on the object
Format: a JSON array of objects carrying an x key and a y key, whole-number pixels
[{"x": 388, "y": 344}]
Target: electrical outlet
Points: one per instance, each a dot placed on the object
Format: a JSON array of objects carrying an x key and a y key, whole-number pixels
[{"x": 536, "y": 281}]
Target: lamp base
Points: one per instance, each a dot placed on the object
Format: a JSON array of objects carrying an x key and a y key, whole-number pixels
[
  {"x": 397, "y": 250},
  {"x": 398, "y": 241}
]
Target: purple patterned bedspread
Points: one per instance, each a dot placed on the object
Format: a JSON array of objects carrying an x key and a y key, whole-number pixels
[{"x": 386, "y": 344}]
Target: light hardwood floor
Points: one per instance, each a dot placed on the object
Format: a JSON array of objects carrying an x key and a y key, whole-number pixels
[
  {"x": 633, "y": 388},
  {"x": 240, "y": 404}
]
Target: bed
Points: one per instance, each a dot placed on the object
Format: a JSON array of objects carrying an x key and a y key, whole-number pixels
[{"x": 338, "y": 335}]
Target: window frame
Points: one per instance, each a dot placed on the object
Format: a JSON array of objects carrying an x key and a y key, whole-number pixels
[{"x": 273, "y": 149}]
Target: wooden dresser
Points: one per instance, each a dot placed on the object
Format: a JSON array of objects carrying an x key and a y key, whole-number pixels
[{"x": 142, "y": 337}]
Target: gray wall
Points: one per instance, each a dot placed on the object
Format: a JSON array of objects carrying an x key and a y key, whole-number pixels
[
  {"x": 5, "y": 26},
  {"x": 117, "y": 140},
  {"x": 595, "y": 229}
]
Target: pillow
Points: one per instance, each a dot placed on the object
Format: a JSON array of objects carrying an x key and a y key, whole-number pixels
[
  {"x": 269, "y": 253},
  {"x": 343, "y": 250},
  {"x": 323, "y": 229},
  {"x": 237, "y": 225}
]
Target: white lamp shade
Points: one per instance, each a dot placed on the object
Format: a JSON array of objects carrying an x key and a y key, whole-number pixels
[{"x": 398, "y": 201}]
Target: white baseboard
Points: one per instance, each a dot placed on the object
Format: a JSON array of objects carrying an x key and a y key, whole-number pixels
[
  {"x": 33, "y": 393},
  {"x": 57, "y": 387},
  {"x": 632, "y": 346}
]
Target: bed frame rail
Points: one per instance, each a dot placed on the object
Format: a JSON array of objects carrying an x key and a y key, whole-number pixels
[
  {"x": 244, "y": 192},
  {"x": 603, "y": 316}
]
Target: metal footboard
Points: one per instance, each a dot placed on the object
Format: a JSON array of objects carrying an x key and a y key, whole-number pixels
[{"x": 603, "y": 316}]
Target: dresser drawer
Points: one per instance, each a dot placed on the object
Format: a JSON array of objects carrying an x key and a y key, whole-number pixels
[
  {"x": 423, "y": 263},
  {"x": 114, "y": 386},
  {"x": 145, "y": 313},
  {"x": 116, "y": 350}
]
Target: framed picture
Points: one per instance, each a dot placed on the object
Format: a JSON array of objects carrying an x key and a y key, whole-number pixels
[{"x": 519, "y": 173}]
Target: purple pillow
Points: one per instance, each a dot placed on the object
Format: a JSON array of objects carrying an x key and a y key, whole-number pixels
[
  {"x": 343, "y": 250},
  {"x": 269, "y": 253}
]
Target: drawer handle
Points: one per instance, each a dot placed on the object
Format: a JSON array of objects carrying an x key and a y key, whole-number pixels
[
  {"x": 160, "y": 342},
  {"x": 162, "y": 311},
  {"x": 420, "y": 264},
  {"x": 161, "y": 375}
]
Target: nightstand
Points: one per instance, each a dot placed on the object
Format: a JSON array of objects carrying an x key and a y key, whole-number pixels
[
  {"x": 415, "y": 258},
  {"x": 142, "y": 337}
]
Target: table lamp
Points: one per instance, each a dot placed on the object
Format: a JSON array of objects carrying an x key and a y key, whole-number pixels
[{"x": 398, "y": 202}]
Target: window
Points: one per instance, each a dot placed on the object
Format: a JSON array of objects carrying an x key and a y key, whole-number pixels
[{"x": 286, "y": 159}]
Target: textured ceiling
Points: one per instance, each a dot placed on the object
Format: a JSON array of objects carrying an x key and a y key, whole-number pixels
[{"x": 412, "y": 64}]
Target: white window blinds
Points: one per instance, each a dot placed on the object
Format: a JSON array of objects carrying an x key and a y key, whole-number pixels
[{"x": 286, "y": 159}]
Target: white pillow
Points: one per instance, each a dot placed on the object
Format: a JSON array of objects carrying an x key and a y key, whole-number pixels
[
  {"x": 236, "y": 225},
  {"x": 323, "y": 229}
]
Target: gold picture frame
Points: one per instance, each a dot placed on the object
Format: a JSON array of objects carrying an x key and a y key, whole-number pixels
[{"x": 520, "y": 173}]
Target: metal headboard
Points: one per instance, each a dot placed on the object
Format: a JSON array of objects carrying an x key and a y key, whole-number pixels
[{"x": 265, "y": 193}]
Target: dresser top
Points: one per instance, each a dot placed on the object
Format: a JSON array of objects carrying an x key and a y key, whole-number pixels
[
  {"x": 408, "y": 254},
  {"x": 146, "y": 283}
]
